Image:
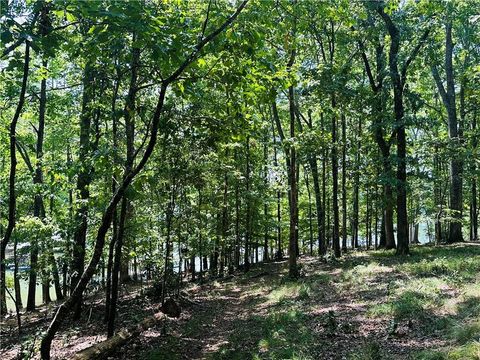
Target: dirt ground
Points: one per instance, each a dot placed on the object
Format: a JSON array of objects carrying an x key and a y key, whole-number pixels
[{"x": 335, "y": 311}]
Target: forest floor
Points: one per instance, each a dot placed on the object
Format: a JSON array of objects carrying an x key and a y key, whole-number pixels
[{"x": 365, "y": 306}]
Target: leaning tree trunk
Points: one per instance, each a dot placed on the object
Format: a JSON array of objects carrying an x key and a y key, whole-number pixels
[
  {"x": 106, "y": 220},
  {"x": 11, "y": 180}
]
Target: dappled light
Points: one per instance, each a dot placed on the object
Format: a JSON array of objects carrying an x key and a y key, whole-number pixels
[{"x": 239, "y": 179}]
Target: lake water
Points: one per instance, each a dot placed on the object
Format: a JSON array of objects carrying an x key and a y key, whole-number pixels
[
  {"x": 24, "y": 291},
  {"x": 422, "y": 235}
]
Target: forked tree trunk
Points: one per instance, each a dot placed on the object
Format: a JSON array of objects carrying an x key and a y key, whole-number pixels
[{"x": 456, "y": 161}]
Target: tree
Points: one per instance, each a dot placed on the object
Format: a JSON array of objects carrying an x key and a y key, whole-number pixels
[
  {"x": 75, "y": 296},
  {"x": 399, "y": 78}
]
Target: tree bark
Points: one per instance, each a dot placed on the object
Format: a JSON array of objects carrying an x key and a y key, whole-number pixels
[
  {"x": 129, "y": 116},
  {"x": 456, "y": 161},
  {"x": 356, "y": 189},
  {"x": 279, "y": 250},
  {"x": 474, "y": 206},
  {"x": 344, "y": 183},
  {"x": 11, "y": 179},
  {"x": 265, "y": 205},
  {"x": 293, "y": 240},
  {"x": 83, "y": 182},
  {"x": 336, "y": 217},
  {"x": 246, "y": 257},
  {"x": 111, "y": 246},
  {"x": 387, "y": 239}
]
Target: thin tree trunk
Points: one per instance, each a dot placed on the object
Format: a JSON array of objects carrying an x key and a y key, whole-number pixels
[
  {"x": 293, "y": 240},
  {"x": 323, "y": 249},
  {"x": 225, "y": 223},
  {"x": 11, "y": 180},
  {"x": 246, "y": 257},
  {"x": 83, "y": 182},
  {"x": 356, "y": 189},
  {"x": 200, "y": 249},
  {"x": 129, "y": 116},
  {"x": 344, "y": 183},
  {"x": 265, "y": 204},
  {"x": 336, "y": 217},
  {"x": 111, "y": 246},
  {"x": 474, "y": 195},
  {"x": 279, "y": 251},
  {"x": 39, "y": 207},
  {"x": 310, "y": 220}
]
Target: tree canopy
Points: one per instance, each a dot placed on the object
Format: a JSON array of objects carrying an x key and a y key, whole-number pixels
[{"x": 175, "y": 140}]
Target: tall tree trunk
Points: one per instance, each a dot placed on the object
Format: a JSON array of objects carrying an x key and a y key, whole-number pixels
[
  {"x": 38, "y": 206},
  {"x": 111, "y": 246},
  {"x": 168, "y": 265},
  {"x": 336, "y": 217},
  {"x": 11, "y": 180},
  {"x": 16, "y": 278},
  {"x": 265, "y": 204},
  {"x": 112, "y": 306},
  {"x": 225, "y": 223},
  {"x": 312, "y": 160},
  {"x": 83, "y": 182},
  {"x": 456, "y": 161},
  {"x": 67, "y": 260},
  {"x": 323, "y": 249},
  {"x": 356, "y": 189},
  {"x": 310, "y": 218},
  {"x": 387, "y": 238},
  {"x": 16, "y": 285},
  {"x": 293, "y": 240},
  {"x": 279, "y": 250},
  {"x": 200, "y": 249},
  {"x": 474, "y": 195},
  {"x": 236, "y": 250},
  {"x": 344, "y": 183},
  {"x": 129, "y": 116},
  {"x": 398, "y": 86},
  {"x": 437, "y": 194},
  {"x": 246, "y": 257}
]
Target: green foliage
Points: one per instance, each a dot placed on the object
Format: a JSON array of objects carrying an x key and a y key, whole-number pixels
[{"x": 216, "y": 181}]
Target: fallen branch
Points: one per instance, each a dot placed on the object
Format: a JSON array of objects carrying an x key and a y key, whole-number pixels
[{"x": 107, "y": 347}]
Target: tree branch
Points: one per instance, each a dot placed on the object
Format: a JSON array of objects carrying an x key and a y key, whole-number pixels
[{"x": 413, "y": 55}]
